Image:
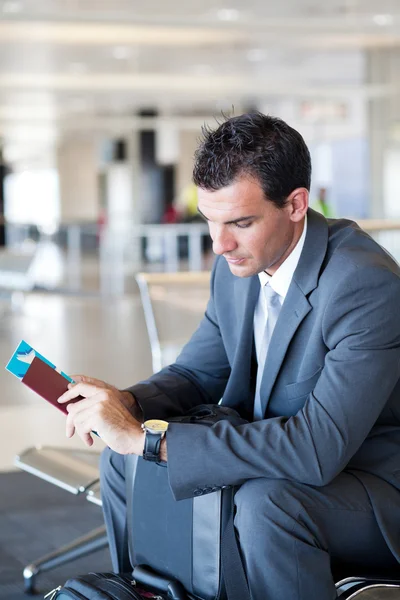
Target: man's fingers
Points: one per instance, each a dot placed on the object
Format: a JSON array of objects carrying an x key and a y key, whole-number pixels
[
  {"x": 88, "y": 439},
  {"x": 79, "y": 389},
  {"x": 92, "y": 380},
  {"x": 78, "y": 423},
  {"x": 80, "y": 378},
  {"x": 76, "y": 407},
  {"x": 69, "y": 427}
]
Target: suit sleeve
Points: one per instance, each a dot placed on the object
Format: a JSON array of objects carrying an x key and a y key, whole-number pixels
[
  {"x": 361, "y": 329},
  {"x": 198, "y": 376}
]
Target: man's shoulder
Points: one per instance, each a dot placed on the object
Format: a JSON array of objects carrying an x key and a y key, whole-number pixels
[{"x": 352, "y": 248}]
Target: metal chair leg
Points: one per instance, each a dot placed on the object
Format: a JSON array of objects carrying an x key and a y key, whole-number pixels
[{"x": 82, "y": 546}]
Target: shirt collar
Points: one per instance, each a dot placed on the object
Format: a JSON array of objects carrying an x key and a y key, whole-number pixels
[{"x": 281, "y": 279}]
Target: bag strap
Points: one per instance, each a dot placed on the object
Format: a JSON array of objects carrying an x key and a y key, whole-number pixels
[{"x": 232, "y": 566}]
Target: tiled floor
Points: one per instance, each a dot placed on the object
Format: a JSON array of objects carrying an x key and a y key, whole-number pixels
[{"x": 105, "y": 338}]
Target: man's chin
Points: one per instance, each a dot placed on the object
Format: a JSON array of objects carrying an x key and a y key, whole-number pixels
[{"x": 242, "y": 269}]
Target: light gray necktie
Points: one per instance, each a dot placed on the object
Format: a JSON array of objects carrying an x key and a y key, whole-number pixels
[{"x": 273, "y": 310}]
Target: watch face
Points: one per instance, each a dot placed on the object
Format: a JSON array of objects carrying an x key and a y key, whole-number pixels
[{"x": 156, "y": 426}]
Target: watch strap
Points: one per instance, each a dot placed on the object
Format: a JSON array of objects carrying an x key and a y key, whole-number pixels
[{"x": 152, "y": 445}]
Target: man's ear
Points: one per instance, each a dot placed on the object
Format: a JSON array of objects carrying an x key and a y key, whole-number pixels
[{"x": 298, "y": 204}]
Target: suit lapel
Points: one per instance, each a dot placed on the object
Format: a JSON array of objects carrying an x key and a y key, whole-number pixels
[
  {"x": 294, "y": 309},
  {"x": 246, "y": 295},
  {"x": 296, "y": 305}
]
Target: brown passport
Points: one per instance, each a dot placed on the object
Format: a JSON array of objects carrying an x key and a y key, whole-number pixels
[{"x": 47, "y": 382}]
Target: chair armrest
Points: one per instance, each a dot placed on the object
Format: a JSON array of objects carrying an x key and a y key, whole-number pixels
[
  {"x": 73, "y": 470},
  {"x": 93, "y": 494}
]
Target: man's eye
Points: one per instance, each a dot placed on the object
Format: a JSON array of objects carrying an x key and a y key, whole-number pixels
[{"x": 243, "y": 225}]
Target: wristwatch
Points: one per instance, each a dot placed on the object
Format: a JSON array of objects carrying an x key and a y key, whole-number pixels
[{"x": 154, "y": 430}]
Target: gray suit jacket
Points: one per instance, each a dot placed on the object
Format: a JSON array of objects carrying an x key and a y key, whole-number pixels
[{"x": 330, "y": 389}]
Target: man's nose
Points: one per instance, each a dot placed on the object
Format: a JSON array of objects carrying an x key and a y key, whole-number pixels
[{"x": 223, "y": 241}]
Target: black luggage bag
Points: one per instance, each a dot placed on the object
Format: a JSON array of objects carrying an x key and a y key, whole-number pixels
[
  {"x": 184, "y": 550},
  {"x": 109, "y": 586},
  {"x": 192, "y": 541}
]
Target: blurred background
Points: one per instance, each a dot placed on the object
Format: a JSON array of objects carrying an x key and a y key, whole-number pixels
[
  {"x": 101, "y": 104},
  {"x": 101, "y": 108}
]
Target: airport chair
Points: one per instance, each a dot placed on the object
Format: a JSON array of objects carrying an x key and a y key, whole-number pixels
[
  {"x": 173, "y": 305},
  {"x": 77, "y": 472}
]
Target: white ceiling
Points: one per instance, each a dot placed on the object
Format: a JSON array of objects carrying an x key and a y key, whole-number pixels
[
  {"x": 69, "y": 65},
  {"x": 134, "y": 10}
]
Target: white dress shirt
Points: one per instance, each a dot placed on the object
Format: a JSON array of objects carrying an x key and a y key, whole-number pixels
[{"x": 280, "y": 282}]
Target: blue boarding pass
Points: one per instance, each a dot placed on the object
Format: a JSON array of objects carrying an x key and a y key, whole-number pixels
[
  {"x": 21, "y": 362},
  {"x": 22, "y": 358}
]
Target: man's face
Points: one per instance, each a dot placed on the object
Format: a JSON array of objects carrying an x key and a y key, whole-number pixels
[{"x": 250, "y": 232}]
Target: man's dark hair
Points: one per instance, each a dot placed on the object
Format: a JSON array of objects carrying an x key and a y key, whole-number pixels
[{"x": 260, "y": 146}]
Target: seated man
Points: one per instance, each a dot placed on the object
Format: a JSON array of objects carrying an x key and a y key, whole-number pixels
[{"x": 301, "y": 336}]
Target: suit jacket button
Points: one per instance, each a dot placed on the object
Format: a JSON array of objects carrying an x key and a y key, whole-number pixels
[{"x": 198, "y": 492}]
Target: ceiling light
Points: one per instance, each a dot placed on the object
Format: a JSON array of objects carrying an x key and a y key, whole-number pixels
[
  {"x": 12, "y": 7},
  {"x": 383, "y": 20},
  {"x": 121, "y": 52},
  {"x": 228, "y": 14}
]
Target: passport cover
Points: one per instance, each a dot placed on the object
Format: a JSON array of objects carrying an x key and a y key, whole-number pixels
[
  {"x": 40, "y": 375},
  {"x": 47, "y": 382}
]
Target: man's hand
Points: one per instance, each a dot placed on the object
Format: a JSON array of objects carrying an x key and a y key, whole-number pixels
[
  {"x": 163, "y": 450},
  {"x": 127, "y": 399},
  {"x": 107, "y": 411}
]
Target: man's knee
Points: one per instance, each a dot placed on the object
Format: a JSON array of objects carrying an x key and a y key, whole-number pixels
[
  {"x": 112, "y": 465},
  {"x": 262, "y": 502},
  {"x": 105, "y": 458},
  {"x": 256, "y": 494}
]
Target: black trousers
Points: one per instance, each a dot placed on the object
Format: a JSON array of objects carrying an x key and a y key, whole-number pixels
[{"x": 289, "y": 533}]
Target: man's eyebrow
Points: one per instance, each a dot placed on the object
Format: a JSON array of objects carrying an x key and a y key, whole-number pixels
[{"x": 229, "y": 222}]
